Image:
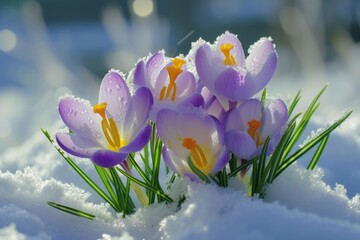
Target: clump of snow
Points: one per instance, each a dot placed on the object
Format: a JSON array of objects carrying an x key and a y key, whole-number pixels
[{"x": 299, "y": 199}]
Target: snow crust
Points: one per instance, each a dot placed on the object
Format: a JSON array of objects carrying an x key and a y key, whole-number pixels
[{"x": 299, "y": 205}]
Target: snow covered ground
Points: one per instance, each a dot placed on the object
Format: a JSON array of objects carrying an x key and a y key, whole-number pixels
[{"x": 300, "y": 204}]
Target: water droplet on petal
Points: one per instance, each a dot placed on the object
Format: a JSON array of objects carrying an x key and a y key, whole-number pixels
[
  {"x": 91, "y": 121},
  {"x": 109, "y": 90}
]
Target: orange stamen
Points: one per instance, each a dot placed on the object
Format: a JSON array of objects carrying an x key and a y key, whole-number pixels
[
  {"x": 196, "y": 153},
  {"x": 173, "y": 71},
  {"x": 229, "y": 58},
  {"x": 253, "y": 130},
  {"x": 109, "y": 127}
]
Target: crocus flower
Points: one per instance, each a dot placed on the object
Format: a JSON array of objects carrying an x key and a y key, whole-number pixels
[
  {"x": 169, "y": 81},
  {"x": 223, "y": 69},
  {"x": 248, "y": 126},
  {"x": 106, "y": 132},
  {"x": 189, "y": 132}
]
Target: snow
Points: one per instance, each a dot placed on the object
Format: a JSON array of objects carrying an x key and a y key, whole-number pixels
[{"x": 299, "y": 199}]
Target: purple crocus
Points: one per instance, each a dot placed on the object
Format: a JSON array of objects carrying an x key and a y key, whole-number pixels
[
  {"x": 169, "y": 80},
  {"x": 106, "y": 132},
  {"x": 248, "y": 126},
  {"x": 189, "y": 132},
  {"x": 223, "y": 69}
]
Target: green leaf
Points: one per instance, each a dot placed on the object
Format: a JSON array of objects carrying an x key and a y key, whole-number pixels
[
  {"x": 263, "y": 96},
  {"x": 275, "y": 158},
  {"x": 303, "y": 122},
  {"x": 261, "y": 167},
  {"x": 149, "y": 187},
  {"x": 309, "y": 145},
  {"x": 294, "y": 103},
  {"x": 72, "y": 211},
  {"x": 199, "y": 173},
  {"x": 318, "y": 152},
  {"x": 83, "y": 175},
  {"x": 243, "y": 166},
  {"x": 102, "y": 174}
]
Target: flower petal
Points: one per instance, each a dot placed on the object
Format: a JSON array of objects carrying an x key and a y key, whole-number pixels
[
  {"x": 75, "y": 145},
  {"x": 240, "y": 144},
  {"x": 261, "y": 63},
  {"x": 107, "y": 158},
  {"x": 204, "y": 69},
  {"x": 237, "y": 51},
  {"x": 235, "y": 85},
  {"x": 79, "y": 117},
  {"x": 139, "y": 141},
  {"x": 249, "y": 110},
  {"x": 166, "y": 120},
  {"x": 137, "y": 113},
  {"x": 185, "y": 85},
  {"x": 154, "y": 65},
  {"x": 221, "y": 161},
  {"x": 168, "y": 159},
  {"x": 191, "y": 124},
  {"x": 115, "y": 92},
  {"x": 274, "y": 119},
  {"x": 139, "y": 74}
]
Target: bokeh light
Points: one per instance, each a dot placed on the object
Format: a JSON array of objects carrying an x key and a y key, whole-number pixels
[
  {"x": 7, "y": 40},
  {"x": 143, "y": 8}
]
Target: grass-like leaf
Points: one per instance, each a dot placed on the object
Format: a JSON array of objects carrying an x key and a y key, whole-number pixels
[
  {"x": 310, "y": 144},
  {"x": 198, "y": 172},
  {"x": 243, "y": 166},
  {"x": 83, "y": 175},
  {"x": 143, "y": 184},
  {"x": 72, "y": 211},
  {"x": 294, "y": 103},
  {"x": 318, "y": 153}
]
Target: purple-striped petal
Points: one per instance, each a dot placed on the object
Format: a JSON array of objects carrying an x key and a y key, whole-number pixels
[
  {"x": 137, "y": 113},
  {"x": 79, "y": 117},
  {"x": 115, "y": 92},
  {"x": 204, "y": 68},
  {"x": 139, "y": 141},
  {"x": 249, "y": 110},
  {"x": 75, "y": 145},
  {"x": 154, "y": 65},
  {"x": 261, "y": 63},
  {"x": 195, "y": 100},
  {"x": 168, "y": 159},
  {"x": 185, "y": 85},
  {"x": 192, "y": 125},
  {"x": 235, "y": 85},
  {"x": 107, "y": 158},
  {"x": 240, "y": 144},
  {"x": 237, "y": 51},
  {"x": 139, "y": 74},
  {"x": 222, "y": 159},
  {"x": 274, "y": 119},
  {"x": 166, "y": 121}
]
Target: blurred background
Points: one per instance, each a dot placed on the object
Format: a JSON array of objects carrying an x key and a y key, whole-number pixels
[{"x": 52, "y": 47}]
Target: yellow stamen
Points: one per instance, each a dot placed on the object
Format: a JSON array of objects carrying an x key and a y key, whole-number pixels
[
  {"x": 253, "y": 131},
  {"x": 197, "y": 154},
  {"x": 109, "y": 128},
  {"x": 173, "y": 71},
  {"x": 229, "y": 58}
]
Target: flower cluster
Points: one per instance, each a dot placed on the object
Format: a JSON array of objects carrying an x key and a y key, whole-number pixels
[
  {"x": 202, "y": 106},
  {"x": 198, "y": 114}
]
